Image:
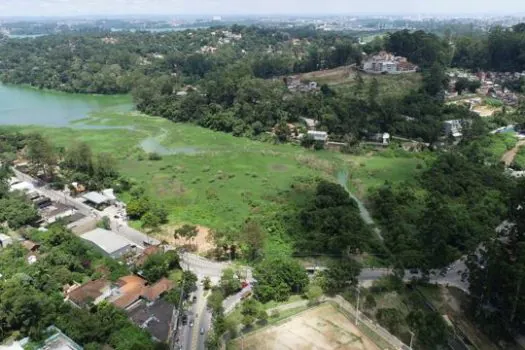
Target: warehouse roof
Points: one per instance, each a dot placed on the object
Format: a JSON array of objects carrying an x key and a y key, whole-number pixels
[
  {"x": 108, "y": 241},
  {"x": 95, "y": 197}
]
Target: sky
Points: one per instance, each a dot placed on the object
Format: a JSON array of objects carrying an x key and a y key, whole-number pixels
[{"x": 254, "y": 7}]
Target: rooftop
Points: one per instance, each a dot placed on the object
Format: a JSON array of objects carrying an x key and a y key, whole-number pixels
[
  {"x": 108, "y": 241},
  {"x": 132, "y": 288},
  {"x": 88, "y": 292},
  {"x": 155, "y": 318},
  {"x": 59, "y": 341},
  {"x": 146, "y": 253},
  {"x": 95, "y": 197}
]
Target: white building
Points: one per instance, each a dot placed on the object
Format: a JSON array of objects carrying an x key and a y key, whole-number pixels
[
  {"x": 318, "y": 135},
  {"x": 109, "y": 242},
  {"x": 387, "y": 63},
  {"x": 453, "y": 127},
  {"x": 5, "y": 240}
]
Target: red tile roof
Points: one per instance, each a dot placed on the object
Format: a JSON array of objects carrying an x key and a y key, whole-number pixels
[
  {"x": 153, "y": 292},
  {"x": 88, "y": 292}
]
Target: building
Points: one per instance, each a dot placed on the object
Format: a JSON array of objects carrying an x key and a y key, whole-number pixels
[
  {"x": 154, "y": 317},
  {"x": 31, "y": 246},
  {"x": 124, "y": 293},
  {"x": 21, "y": 186},
  {"x": 132, "y": 289},
  {"x": 59, "y": 341},
  {"x": 295, "y": 84},
  {"x": 5, "y": 240},
  {"x": 112, "y": 244},
  {"x": 98, "y": 199},
  {"x": 453, "y": 127},
  {"x": 318, "y": 135},
  {"x": 90, "y": 293},
  {"x": 55, "y": 212},
  {"x": 387, "y": 63},
  {"x": 151, "y": 250}
]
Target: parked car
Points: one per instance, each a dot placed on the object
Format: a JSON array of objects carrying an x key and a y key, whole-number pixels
[{"x": 202, "y": 330}]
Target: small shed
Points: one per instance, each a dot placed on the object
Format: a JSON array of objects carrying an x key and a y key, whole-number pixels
[
  {"x": 5, "y": 240},
  {"x": 318, "y": 135}
]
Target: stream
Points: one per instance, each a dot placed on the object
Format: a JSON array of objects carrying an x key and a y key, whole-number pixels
[{"x": 342, "y": 179}]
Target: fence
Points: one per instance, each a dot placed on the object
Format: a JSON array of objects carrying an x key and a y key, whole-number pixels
[{"x": 377, "y": 329}]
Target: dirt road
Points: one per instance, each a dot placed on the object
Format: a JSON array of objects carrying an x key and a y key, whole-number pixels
[{"x": 509, "y": 156}]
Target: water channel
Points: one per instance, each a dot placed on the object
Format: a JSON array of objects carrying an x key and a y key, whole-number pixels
[{"x": 28, "y": 106}]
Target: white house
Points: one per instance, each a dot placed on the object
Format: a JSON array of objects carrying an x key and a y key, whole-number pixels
[
  {"x": 318, "y": 135},
  {"x": 5, "y": 240},
  {"x": 453, "y": 127}
]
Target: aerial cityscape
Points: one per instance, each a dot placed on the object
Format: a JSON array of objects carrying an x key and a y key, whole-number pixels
[{"x": 262, "y": 175}]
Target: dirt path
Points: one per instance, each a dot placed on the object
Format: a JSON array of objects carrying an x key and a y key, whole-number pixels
[{"x": 509, "y": 156}]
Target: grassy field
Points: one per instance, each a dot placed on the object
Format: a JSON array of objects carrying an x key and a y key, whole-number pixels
[
  {"x": 345, "y": 77},
  {"x": 370, "y": 171},
  {"x": 500, "y": 143},
  {"x": 214, "y": 179}
]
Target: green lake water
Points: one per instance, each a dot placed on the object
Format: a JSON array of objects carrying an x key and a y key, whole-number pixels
[{"x": 26, "y": 106}]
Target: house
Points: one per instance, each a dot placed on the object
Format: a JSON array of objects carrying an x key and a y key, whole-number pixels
[
  {"x": 5, "y": 240},
  {"x": 386, "y": 138},
  {"x": 154, "y": 317},
  {"x": 310, "y": 123},
  {"x": 97, "y": 199},
  {"x": 124, "y": 293},
  {"x": 92, "y": 292},
  {"x": 318, "y": 135},
  {"x": 21, "y": 186},
  {"x": 114, "y": 245},
  {"x": 151, "y": 250},
  {"x": 58, "y": 341},
  {"x": 132, "y": 289},
  {"x": 55, "y": 212},
  {"x": 31, "y": 246},
  {"x": 387, "y": 63},
  {"x": 295, "y": 84},
  {"x": 453, "y": 127}
]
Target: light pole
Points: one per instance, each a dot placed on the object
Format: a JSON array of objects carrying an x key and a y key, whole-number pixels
[
  {"x": 411, "y": 339},
  {"x": 357, "y": 306}
]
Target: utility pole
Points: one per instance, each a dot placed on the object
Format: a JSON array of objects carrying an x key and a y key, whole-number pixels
[
  {"x": 411, "y": 339},
  {"x": 357, "y": 311}
]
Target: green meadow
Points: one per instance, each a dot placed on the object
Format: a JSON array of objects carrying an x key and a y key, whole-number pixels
[{"x": 215, "y": 179}]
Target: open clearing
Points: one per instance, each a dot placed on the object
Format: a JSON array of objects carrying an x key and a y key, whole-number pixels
[
  {"x": 389, "y": 85},
  {"x": 214, "y": 179},
  {"x": 319, "y": 328}
]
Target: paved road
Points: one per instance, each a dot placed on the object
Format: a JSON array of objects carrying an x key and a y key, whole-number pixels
[{"x": 453, "y": 277}]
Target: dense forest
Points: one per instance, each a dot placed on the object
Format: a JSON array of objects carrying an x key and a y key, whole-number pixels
[
  {"x": 452, "y": 207},
  {"x": 222, "y": 78},
  {"x": 30, "y": 297}
]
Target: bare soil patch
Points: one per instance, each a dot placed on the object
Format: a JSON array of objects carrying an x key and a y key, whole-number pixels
[
  {"x": 509, "y": 156},
  {"x": 319, "y": 328},
  {"x": 201, "y": 244}
]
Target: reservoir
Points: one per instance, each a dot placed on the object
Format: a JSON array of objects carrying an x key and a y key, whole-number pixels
[{"x": 28, "y": 106}]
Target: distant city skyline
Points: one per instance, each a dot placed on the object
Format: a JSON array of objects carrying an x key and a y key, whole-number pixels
[{"x": 46, "y": 8}]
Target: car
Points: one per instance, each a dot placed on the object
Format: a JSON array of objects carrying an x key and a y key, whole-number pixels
[
  {"x": 202, "y": 330},
  {"x": 184, "y": 319},
  {"x": 191, "y": 323},
  {"x": 194, "y": 299}
]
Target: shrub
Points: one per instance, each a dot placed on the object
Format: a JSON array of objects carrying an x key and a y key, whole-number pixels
[{"x": 154, "y": 156}]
